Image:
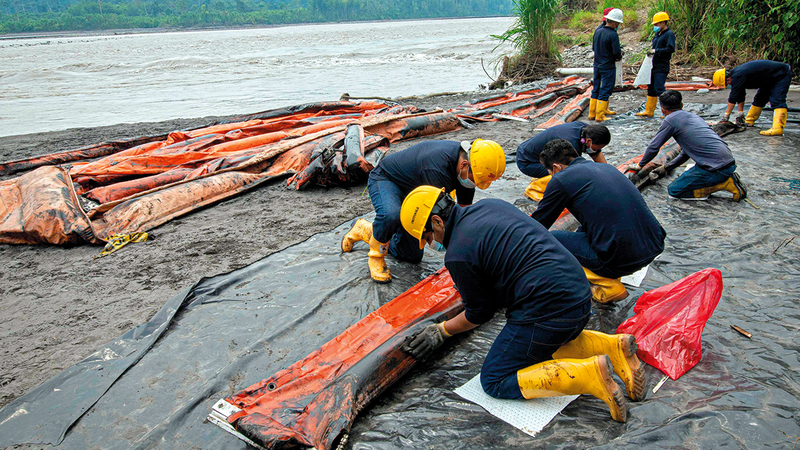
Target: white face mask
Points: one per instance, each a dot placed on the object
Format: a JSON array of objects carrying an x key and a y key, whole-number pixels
[
  {"x": 466, "y": 182},
  {"x": 436, "y": 246}
]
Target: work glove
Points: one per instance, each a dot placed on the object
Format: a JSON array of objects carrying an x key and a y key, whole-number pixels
[
  {"x": 726, "y": 117},
  {"x": 739, "y": 120},
  {"x": 426, "y": 341},
  {"x": 651, "y": 52},
  {"x": 658, "y": 172},
  {"x": 635, "y": 167}
]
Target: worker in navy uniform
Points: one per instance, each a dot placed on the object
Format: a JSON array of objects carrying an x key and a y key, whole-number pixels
[
  {"x": 771, "y": 78},
  {"x": 590, "y": 139},
  {"x": 499, "y": 258},
  {"x": 714, "y": 169},
  {"x": 663, "y": 46},
  {"x": 607, "y": 51},
  {"x": 618, "y": 234},
  {"x": 459, "y": 166}
]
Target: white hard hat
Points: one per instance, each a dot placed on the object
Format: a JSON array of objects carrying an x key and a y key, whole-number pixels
[{"x": 614, "y": 15}]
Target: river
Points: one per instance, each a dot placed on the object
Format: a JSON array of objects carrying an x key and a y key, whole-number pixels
[{"x": 55, "y": 83}]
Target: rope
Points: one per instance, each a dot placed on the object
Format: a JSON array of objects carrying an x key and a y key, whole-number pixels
[{"x": 794, "y": 183}]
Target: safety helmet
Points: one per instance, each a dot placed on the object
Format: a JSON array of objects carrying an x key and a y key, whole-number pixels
[
  {"x": 487, "y": 160},
  {"x": 606, "y": 11},
  {"x": 417, "y": 207},
  {"x": 660, "y": 16},
  {"x": 719, "y": 78},
  {"x": 614, "y": 15}
]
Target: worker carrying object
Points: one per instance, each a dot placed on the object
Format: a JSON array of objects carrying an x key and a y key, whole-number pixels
[
  {"x": 452, "y": 165},
  {"x": 771, "y": 78},
  {"x": 499, "y": 258},
  {"x": 619, "y": 234},
  {"x": 607, "y": 51},
  {"x": 585, "y": 138},
  {"x": 662, "y": 49},
  {"x": 715, "y": 168}
]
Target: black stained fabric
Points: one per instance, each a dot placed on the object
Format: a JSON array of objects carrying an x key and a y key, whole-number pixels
[{"x": 231, "y": 330}]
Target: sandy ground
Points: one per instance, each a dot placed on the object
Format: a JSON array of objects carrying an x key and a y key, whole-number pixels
[{"x": 60, "y": 304}]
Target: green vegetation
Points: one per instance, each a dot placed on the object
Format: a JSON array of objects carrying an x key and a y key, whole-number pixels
[{"x": 17, "y": 16}]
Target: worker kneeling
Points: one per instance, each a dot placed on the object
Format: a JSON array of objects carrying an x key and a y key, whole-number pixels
[
  {"x": 618, "y": 235},
  {"x": 499, "y": 258},
  {"x": 452, "y": 165}
]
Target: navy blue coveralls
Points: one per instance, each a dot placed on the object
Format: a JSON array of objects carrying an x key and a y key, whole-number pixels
[
  {"x": 714, "y": 162},
  {"x": 619, "y": 234},
  {"x": 430, "y": 163},
  {"x": 607, "y": 52},
  {"x": 664, "y": 45},
  {"x": 771, "y": 78},
  {"x": 528, "y": 152},
  {"x": 499, "y": 258}
]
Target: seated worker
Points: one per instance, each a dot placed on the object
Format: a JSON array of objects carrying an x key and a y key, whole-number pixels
[
  {"x": 715, "y": 168},
  {"x": 499, "y": 258},
  {"x": 584, "y": 137},
  {"x": 452, "y": 165},
  {"x": 618, "y": 234},
  {"x": 771, "y": 78}
]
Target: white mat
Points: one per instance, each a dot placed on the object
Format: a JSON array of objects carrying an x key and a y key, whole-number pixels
[{"x": 529, "y": 416}]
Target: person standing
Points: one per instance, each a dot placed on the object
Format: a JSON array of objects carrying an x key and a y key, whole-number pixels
[
  {"x": 715, "y": 168},
  {"x": 499, "y": 258},
  {"x": 607, "y": 51},
  {"x": 452, "y": 165},
  {"x": 662, "y": 49},
  {"x": 771, "y": 78},
  {"x": 585, "y": 138}
]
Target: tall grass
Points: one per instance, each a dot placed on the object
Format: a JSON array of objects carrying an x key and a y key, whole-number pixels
[{"x": 532, "y": 31}]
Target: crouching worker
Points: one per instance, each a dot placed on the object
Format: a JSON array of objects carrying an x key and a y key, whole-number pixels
[
  {"x": 452, "y": 165},
  {"x": 589, "y": 139},
  {"x": 618, "y": 235},
  {"x": 771, "y": 78},
  {"x": 715, "y": 168},
  {"x": 499, "y": 258}
]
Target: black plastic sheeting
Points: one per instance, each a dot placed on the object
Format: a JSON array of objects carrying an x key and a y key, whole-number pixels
[{"x": 235, "y": 329}]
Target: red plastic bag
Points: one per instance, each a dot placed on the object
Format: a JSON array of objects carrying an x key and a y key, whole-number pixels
[{"x": 669, "y": 321}]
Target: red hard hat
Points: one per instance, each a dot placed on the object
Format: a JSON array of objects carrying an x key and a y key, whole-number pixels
[{"x": 605, "y": 12}]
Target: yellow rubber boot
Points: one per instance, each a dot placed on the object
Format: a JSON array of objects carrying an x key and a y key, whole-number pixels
[
  {"x": 574, "y": 376},
  {"x": 733, "y": 185},
  {"x": 600, "y": 115},
  {"x": 621, "y": 350},
  {"x": 649, "y": 107},
  {"x": 605, "y": 290},
  {"x": 592, "y": 108},
  {"x": 778, "y": 123},
  {"x": 752, "y": 115},
  {"x": 361, "y": 231},
  {"x": 609, "y": 112},
  {"x": 377, "y": 264},
  {"x": 535, "y": 190}
]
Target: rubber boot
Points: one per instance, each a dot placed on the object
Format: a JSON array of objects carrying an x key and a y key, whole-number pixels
[
  {"x": 574, "y": 376},
  {"x": 600, "y": 115},
  {"x": 752, "y": 115},
  {"x": 733, "y": 185},
  {"x": 778, "y": 122},
  {"x": 605, "y": 290},
  {"x": 592, "y": 108},
  {"x": 621, "y": 350},
  {"x": 609, "y": 112},
  {"x": 535, "y": 190},
  {"x": 377, "y": 264},
  {"x": 361, "y": 231},
  {"x": 649, "y": 107}
]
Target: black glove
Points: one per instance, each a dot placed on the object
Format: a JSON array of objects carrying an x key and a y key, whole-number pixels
[
  {"x": 658, "y": 172},
  {"x": 426, "y": 341}
]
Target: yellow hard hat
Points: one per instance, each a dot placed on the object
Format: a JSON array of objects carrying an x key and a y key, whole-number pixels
[
  {"x": 487, "y": 161},
  {"x": 416, "y": 210},
  {"x": 719, "y": 78},
  {"x": 660, "y": 17}
]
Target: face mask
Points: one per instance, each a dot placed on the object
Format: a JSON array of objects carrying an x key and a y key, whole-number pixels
[
  {"x": 656, "y": 29},
  {"x": 466, "y": 182},
  {"x": 436, "y": 246}
]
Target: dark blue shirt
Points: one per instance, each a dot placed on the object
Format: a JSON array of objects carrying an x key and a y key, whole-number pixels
[
  {"x": 664, "y": 45},
  {"x": 607, "y": 51},
  {"x": 757, "y": 74},
  {"x": 696, "y": 139},
  {"x": 528, "y": 152},
  {"x": 499, "y": 257},
  {"x": 620, "y": 227},
  {"x": 430, "y": 163}
]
